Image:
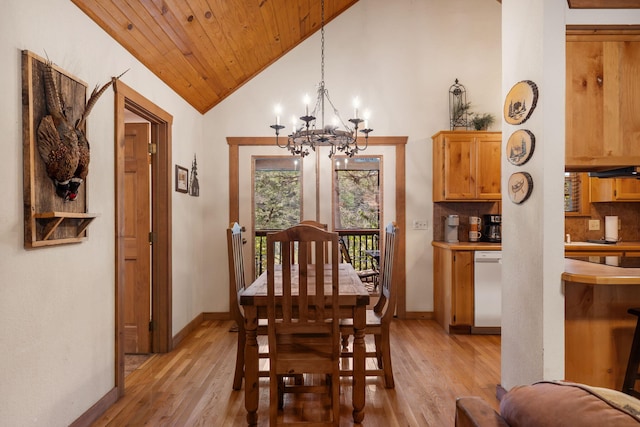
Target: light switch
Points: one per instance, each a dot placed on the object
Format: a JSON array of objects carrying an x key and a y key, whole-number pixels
[{"x": 594, "y": 224}]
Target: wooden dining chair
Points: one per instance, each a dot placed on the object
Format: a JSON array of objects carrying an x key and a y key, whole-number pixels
[
  {"x": 368, "y": 276},
  {"x": 303, "y": 315},
  {"x": 237, "y": 284},
  {"x": 379, "y": 319}
]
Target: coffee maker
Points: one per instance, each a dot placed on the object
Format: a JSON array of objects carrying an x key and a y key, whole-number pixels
[{"x": 492, "y": 228}]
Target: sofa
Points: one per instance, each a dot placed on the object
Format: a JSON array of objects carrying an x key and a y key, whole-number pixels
[{"x": 551, "y": 404}]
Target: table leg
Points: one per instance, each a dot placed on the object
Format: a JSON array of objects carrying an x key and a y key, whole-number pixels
[
  {"x": 251, "y": 365},
  {"x": 359, "y": 323}
]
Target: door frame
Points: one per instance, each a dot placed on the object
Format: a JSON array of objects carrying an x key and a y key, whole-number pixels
[
  {"x": 161, "y": 267},
  {"x": 399, "y": 142}
]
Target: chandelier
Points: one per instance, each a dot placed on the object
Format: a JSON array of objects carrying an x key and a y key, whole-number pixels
[{"x": 309, "y": 133}]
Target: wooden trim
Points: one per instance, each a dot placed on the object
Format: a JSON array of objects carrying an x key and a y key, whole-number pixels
[
  {"x": 189, "y": 327},
  {"x": 603, "y": 32},
  {"x": 161, "y": 121},
  {"x": 603, "y": 4},
  {"x": 399, "y": 142},
  {"x": 419, "y": 315},
  {"x": 209, "y": 316},
  {"x": 92, "y": 414}
]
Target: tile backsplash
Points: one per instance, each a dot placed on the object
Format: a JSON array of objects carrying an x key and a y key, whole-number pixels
[
  {"x": 628, "y": 214},
  {"x": 464, "y": 210},
  {"x": 576, "y": 226}
]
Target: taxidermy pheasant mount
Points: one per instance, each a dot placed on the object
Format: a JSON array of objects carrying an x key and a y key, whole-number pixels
[{"x": 63, "y": 146}]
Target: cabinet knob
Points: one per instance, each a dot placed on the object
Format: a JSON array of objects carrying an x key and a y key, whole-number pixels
[{"x": 599, "y": 79}]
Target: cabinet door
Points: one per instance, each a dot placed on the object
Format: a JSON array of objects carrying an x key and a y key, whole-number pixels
[
  {"x": 602, "y": 100},
  {"x": 462, "y": 293},
  {"x": 614, "y": 189},
  {"x": 627, "y": 189},
  {"x": 488, "y": 151},
  {"x": 459, "y": 167}
]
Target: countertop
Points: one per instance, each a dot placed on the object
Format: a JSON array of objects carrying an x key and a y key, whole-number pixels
[
  {"x": 598, "y": 274},
  {"x": 470, "y": 246},
  {"x": 568, "y": 247},
  {"x": 599, "y": 247}
]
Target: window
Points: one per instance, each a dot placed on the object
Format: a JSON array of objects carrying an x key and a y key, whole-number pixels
[
  {"x": 356, "y": 193},
  {"x": 576, "y": 197},
  {"x": 277, "y": 189},
  {"x": 357, "y": 207},
  {"x": 277, "y": 200}
]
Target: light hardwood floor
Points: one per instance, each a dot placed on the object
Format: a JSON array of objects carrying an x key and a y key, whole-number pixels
[{"x": 191, "y": 386}]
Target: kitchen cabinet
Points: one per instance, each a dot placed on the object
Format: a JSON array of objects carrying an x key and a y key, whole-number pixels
[
  {"x": 466, "y": 166},
  {"x": 614, "y": 189},
  {"x": 602, "y": 99},
  {"x": 453, "y": 289}
]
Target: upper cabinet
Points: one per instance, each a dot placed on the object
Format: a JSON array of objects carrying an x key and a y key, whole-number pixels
[
  {"x": 602, "y": 99},
  {"x": 466, "y": 166},
  {"x": 614, "y": 189}
]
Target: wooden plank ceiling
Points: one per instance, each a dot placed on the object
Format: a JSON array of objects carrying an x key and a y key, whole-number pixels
[{"x": 206, "y": 49}]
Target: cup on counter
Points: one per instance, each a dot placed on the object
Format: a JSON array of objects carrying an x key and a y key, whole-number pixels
[
  {"x": 474, "y": 236},
  {"x": 474, "y": 224}
]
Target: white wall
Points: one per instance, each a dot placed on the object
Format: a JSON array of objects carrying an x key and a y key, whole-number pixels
[
  {"x": 400, "y": 58},
  {"x": 533, "y": 303},
  {"x": 57, "y": 303}
]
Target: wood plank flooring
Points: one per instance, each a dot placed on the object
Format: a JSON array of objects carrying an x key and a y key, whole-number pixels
[{"x": 191, "y": 386}]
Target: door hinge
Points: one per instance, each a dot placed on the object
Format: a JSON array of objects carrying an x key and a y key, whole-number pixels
[
  {"x": 153, "y": 148},
  {"x": 152, "y": 237},
  {"x": 151, "y": 326}
]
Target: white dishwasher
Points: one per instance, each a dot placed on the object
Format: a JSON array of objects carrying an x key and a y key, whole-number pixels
[{"x": 487, "y": 297}]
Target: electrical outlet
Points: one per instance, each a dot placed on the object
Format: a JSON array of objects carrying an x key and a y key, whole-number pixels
[
  {"x": 594, "y": 224},
  {"x": 420, "y": 224}
]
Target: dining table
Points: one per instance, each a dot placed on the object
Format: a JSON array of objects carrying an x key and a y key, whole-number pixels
[{"x": 353, "y": 298}]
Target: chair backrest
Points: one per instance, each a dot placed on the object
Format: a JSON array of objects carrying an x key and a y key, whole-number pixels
[
  {"x": 344, "y": 251},
  {"x": 302, "y": 297},
  {"x": 236, "y": 270},
  {"x": 386, "y": 305},
  {"x": 314, "y": 224}
]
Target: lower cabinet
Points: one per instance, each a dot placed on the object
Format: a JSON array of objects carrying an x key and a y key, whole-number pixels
[{"x": 453, "y": 289}]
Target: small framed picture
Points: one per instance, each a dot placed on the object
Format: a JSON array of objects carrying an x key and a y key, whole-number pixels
[{"x": 182, "y": 179}]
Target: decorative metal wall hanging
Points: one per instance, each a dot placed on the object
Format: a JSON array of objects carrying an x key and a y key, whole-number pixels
[
  {"x": 194, "y": 184},
  {"x": 520, "y": 102},
  {"x": 519, "y": 187},
  {"x": 458, "y": 106},
  {"x": 520, "y": 147}
]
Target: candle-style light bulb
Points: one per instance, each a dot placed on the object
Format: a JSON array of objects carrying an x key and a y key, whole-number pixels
[
  {"x": 306, "y": 101},
  {"x": 356, "y": 105},
  {"x": 293, "y": 124},
  {"x": 366, "y": 115},
  {"x": 278, "y": 111}
]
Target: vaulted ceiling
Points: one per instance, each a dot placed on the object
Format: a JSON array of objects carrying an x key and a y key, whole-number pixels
[{"x": 206, "y": 49}]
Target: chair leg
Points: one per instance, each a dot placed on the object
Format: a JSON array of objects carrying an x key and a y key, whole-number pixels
[
  {"x": 379, "y": 355},
  {"x": 335, "y": 398},
  {"x": 386, "y": 359},
  {"x": 239, "y": 372},
  {"x": 631, "y": 375},
  {"x": 274, "y": 399}
]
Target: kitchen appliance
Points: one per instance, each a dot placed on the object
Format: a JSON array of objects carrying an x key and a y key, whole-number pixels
[
  {"x": 487, "y": 289},
  {"x": 451, "y": 223},
  {"x": 492, "y": 228}
]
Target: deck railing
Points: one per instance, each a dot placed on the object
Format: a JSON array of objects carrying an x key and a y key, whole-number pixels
[{"x": 356, "y": 241}]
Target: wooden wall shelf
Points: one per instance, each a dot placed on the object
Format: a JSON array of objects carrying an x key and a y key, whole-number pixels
[{"x": 48, "y": 219}]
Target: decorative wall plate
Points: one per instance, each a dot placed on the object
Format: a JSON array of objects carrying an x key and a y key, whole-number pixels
[
  {"x": 520, "y": 102},
  {"x": 520, "y": 186},
  {"x": 520, "y": 147}
]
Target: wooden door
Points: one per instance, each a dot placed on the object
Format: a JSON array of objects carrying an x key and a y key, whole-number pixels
[{"x": 137, "y": 306}]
